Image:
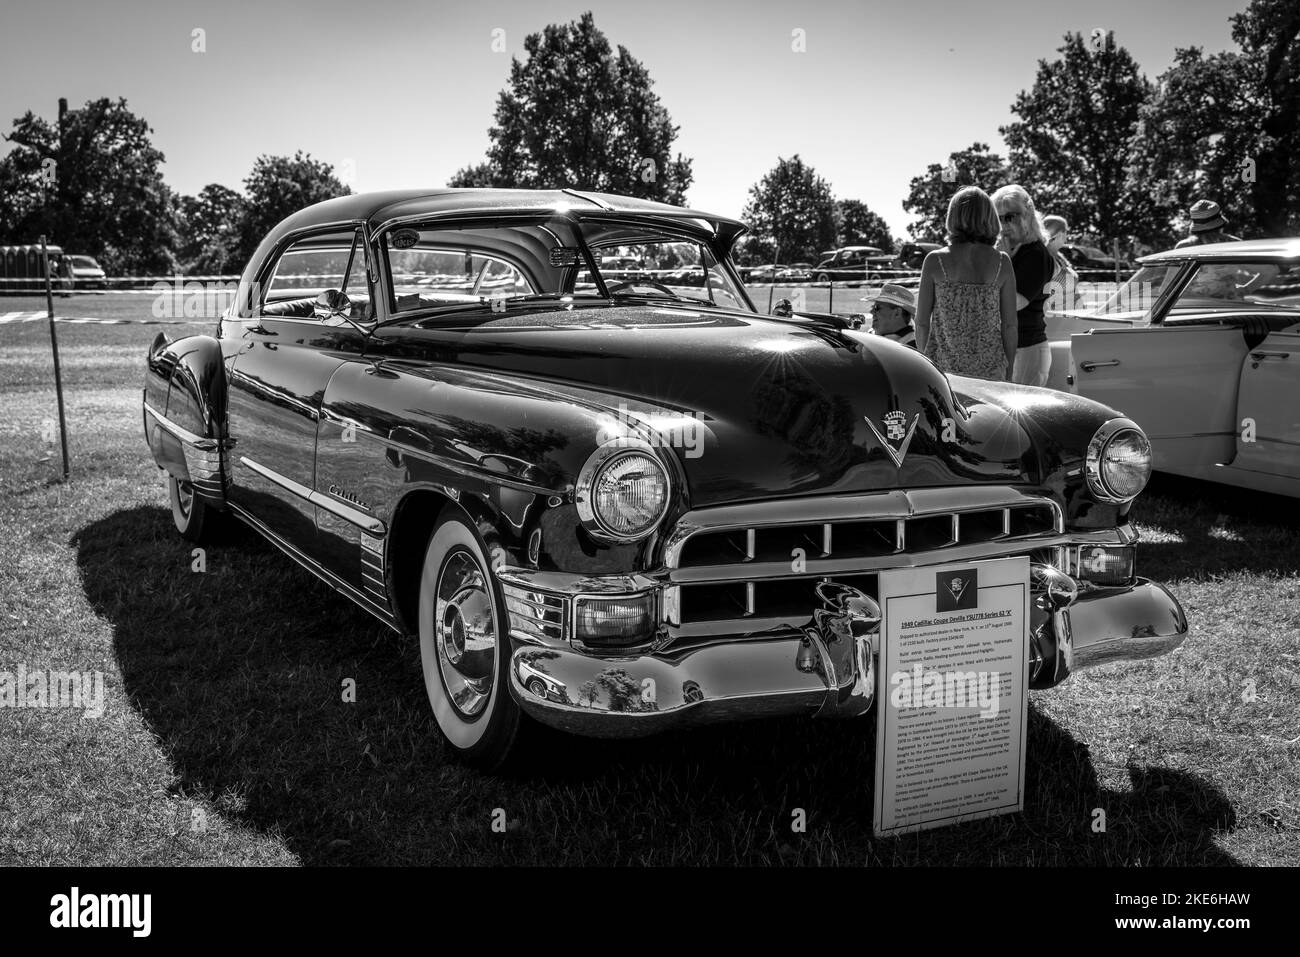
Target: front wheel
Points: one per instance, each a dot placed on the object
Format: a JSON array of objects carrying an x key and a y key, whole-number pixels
[
  {"x": 464, "y": 647},
  {"x": 823, "y": 277}
]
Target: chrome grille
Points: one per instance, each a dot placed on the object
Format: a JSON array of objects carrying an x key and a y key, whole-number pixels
[{"x": 735, "y": 564}]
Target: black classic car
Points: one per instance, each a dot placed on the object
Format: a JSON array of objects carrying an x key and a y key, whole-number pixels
[
  {"x": 849, "y": 263},
  {"x": 619, "y": 506}
]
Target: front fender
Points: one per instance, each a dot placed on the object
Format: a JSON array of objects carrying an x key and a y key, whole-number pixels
[
  {"x": 1060, "y": 426},
  {"x": 185, "y": 412},
  {"x": 510, "y": 444}
]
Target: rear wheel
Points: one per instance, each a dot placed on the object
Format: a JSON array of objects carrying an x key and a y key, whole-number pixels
[
  {"x": 464, "y": 647},
  {"x": 194, "y": 518}
]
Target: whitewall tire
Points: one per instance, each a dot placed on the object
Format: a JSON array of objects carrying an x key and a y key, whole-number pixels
[{"x": 465, "y": 646}]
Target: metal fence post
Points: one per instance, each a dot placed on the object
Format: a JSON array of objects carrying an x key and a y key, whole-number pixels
[{"x": 54, "y": 345}]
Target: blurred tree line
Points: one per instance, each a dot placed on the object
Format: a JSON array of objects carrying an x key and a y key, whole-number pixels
[
  {"x": 1121, "y": 157},
  {"x": 92, "y": 183}
]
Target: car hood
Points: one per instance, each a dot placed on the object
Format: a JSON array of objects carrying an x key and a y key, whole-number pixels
[{"x": 751, "y": 407}]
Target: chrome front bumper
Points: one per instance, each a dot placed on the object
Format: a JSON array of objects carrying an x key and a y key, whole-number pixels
[{"x": 828, "y": 669}]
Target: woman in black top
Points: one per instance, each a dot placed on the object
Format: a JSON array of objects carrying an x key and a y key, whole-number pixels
[{"x": 1026, "y": 242}]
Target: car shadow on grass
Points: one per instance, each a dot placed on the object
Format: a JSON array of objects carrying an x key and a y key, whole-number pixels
[{"x": 242, "y": 670}]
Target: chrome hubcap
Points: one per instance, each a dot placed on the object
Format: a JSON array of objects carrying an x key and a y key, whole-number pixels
[{"x": 465, "y": 633}]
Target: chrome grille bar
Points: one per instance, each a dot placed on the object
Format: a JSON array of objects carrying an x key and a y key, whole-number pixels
[{"x": 709, "y": 584}]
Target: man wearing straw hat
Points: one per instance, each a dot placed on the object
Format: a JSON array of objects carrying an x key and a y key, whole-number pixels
[
  {"x": 892, "y": 311},
  {"x": 1207, "y": 226}
]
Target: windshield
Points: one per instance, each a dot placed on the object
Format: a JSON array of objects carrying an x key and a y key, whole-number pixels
[
  {"x": 470, "y": 264},
  {"x": 1140, "y": 292}
]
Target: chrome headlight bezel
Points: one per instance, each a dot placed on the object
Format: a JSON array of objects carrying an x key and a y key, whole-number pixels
[
  {"x": 605, "y": 456},
  {"x": 1096, "y": 457}
]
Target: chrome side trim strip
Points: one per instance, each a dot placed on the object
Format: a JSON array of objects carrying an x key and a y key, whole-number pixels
[
  {"x": 346, "y": 512},
  {"x": 316, "y": 568},
  {"x": 200, "y": 442}
]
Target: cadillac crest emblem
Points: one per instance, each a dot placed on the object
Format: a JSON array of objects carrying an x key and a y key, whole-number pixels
[{"x": 898, "y": 435}]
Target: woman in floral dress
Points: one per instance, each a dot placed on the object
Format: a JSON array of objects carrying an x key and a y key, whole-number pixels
[{"x": 966, "y": 302}]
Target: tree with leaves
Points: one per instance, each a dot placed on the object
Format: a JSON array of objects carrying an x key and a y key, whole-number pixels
[
  {"x": 277, "y": 187},
  {"x": 1069, "y": 147},
  {"x": 792, "y": 212},
  {"x": 579, "y": 114},
  {"x": 857, "y": 225},
  {"x": 1227, "y": 127},
  {"x": 92, "y": 184},
  {"x": 929, "y": 194},
  {"x": 210, "y": 224}
]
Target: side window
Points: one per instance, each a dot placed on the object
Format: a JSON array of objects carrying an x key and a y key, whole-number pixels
[
  {"x": 428, "y": 276},
  {"x": 310, "y": 266}
]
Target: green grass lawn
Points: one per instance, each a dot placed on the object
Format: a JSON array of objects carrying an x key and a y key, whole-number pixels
[{"x": 225, "y": 739}]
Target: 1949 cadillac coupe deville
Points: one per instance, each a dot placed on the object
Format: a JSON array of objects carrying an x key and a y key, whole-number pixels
[{"x": 619, "y": 506}]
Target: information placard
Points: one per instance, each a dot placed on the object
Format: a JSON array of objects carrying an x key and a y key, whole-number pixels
[{"x": 951, "y": 694}]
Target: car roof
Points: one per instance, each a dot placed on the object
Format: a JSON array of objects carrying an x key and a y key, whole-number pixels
[
  {"x": 1279, "y": 249},
  {"x": 380, "y": 208}
]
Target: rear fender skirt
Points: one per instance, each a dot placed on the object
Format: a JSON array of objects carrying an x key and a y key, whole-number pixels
[{"x": 184, "y": 407}]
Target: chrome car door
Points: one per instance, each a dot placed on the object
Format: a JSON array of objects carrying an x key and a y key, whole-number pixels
[
  {"x": 1268, "y": 406},
  {"x": 1178, "y": 382}
]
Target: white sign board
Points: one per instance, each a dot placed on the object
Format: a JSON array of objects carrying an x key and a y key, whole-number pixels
[{"x": 952, "y": 694}]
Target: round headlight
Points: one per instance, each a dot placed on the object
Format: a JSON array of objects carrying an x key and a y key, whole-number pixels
[
  {"x": 1118, "y": 462},
  {"x": 622, "y": 493}
]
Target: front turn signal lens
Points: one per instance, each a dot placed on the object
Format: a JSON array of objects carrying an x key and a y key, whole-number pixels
[
  {"x": 1107, "y": 564},
  {"x": 615, "y": 622}
]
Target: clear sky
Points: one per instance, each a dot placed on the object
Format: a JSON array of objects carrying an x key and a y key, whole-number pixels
[{"x": 400, "y": 93}]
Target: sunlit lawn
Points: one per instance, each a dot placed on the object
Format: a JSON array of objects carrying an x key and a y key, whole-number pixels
[{"x": 226, "y": 739}]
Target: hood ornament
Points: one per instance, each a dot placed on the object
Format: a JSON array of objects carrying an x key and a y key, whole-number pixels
[{"x": 898, "y": 435}]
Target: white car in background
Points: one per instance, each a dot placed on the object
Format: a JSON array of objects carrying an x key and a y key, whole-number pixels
[
  {"x": 86, "y": 273},
  {"x": 1201, "y": 348}
]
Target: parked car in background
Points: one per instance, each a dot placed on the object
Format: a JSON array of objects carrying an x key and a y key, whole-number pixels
[
  {"x": 850, "y": 262},
  {"x": 911, "y": 255},
  {"x": 622, "y": 506},
  {"x": 86, "y": 272},
  {"x": 1200, "y": 347},
  {"x": 1085, "y": 258},
  {"x": 795, "y": 272},
  {"x": 764, "y": 273}
]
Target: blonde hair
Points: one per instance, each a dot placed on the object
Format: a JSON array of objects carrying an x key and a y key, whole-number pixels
[
  {"x": 1014, "y": 191},
  {"x": 972, "y": 218}
]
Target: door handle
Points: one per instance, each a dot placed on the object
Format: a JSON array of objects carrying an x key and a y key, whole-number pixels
[
  {"x": 1089, "y": 366},
  {"x": 1257, "y": 356}
]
